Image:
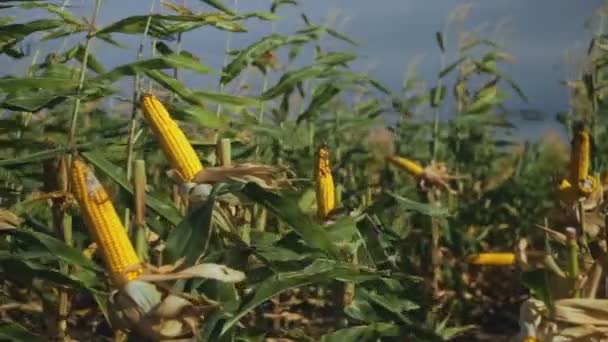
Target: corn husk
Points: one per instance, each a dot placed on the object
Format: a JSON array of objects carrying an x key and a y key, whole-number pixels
[
  {"x": 8, "y": 220},
  {"x": 264, "y": 175},
  {"x": 147, "y": 308},
  {"x": 572, "y": 319}
]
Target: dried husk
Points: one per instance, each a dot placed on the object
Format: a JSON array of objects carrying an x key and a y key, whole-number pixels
[
  {"x": 149, "y": 309},
  {"x": 572, "y": 319},
  {"x": 8, "y": 220},
  {"x": 264, "y": 175},
  {"x": 142, "y": 307},
  {"x": 436, "y": 174}
]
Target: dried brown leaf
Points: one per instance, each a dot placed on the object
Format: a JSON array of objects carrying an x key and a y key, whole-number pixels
[
  {"x": 264, "y": 175},
  {"x": 582, "y": 311}
]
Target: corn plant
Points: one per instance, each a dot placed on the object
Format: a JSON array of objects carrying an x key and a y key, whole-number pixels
[{"x": 162, "y": 211}]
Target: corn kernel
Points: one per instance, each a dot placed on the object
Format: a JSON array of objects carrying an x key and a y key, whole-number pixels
[
  {"x": 105, "y": 226},
  {"x": 173, "y": 141}
]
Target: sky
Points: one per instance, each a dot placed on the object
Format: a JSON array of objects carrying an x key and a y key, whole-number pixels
[{"x": 393, "y": 33}]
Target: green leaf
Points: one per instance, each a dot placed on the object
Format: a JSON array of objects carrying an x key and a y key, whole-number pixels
[
  {"x": 209, "y": 325},
  {"x": 278, "y": 254},
  {"x": 476, "y": 42},
  {"x": 381, "y": 87},
  {"x": 93, "y": 63},
  {"x": 362, "y": 310},
  {"x": 342, "y": 37},
  {"x": 227, "y": 99},
  {"x": 485, "y": 99},
  {"x": 12, "y": 84},
  {"x": 220, "y": 6},
  {"x": 22, "y": 270},
  {"x": 390, "y": 302},
  {"x": 162, "y": 208},
  {"x": 440, "y": 41},
  {"x": 260, "y": 15},
  {"x": 278, "y": 3},
  {"x": 322, "y": 95},
  {"x": 370, "y": 332},
  {"x": 197, "y": 115},
  {"x": 172, "y": 61},
  {"x": 451, "y": 67},
  {"x": 34, "y": 101},
  {"x": 162, "y": 26},
  {"x": 198, "y": 98},
  {"x": 537, "y": 282},
  {"x": 254, "y": 51},
  {"x": 191, "y": 237},
  {"x": 14, "y": 33},
  {"x": 336, "y": 58},
  {"x": 57, "y": 248},
  {"x": 63, "y": 14},
  {"x": 34, "y": 157},
  {"x": 13, "y": 331},
  {"x": 437, "y": 96},
  {"x": 290, "y": 79},
  {"x": 319, "y": 271},
  {"x": 313, "y": 234},
  {"x": 422, "y": 208},
  {"x": 514, "y": 86}
]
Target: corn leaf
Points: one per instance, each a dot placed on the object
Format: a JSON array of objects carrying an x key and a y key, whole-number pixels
[
  {"x": 254, "y": 51},
  {"x": 77, "y": 52},
  {"x": 14, "y": 33},
  {"x": 321, "y": 96},
  {"x": 319, "y": 271},
  {"x": 198, "y": 98},
  {"x": 21, "y": 270},
  {"x": 422, "y": 208},
  {"x": 13, "y": 84},
  {"x": 219, "y": 5},
  {"x": 291, "y": 79},
  {"x": 440, "y": 40},
  {"x": 67, "y": 17},
  {"x": 278, "y": 3},
  {"x": 313, "y": 234},
  {"x": 173, "y": 61},
  {"x": 13, "y": 331},
  {"x": 164, "y": 26},
  {"x": 34, "y": 157},
  {"x": 189, "y": 240},
  {"x": 198, "y": 115},
  {"x": 57, "y": 248},
  {"x": 370, "y": 332}
]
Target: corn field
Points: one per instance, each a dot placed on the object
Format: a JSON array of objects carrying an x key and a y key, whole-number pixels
[{"x": 280, "y": 204}]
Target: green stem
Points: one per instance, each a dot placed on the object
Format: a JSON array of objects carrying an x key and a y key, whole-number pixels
[
  {"x": 437, "y": 109},
  {"x": 139, "y": 187},
  {"x": 225, "y": 62},
  {"x": 83, "y": 74},
  {"x": 573, "y": 259},
  {"x": 224, "y": 149},
  {"x": 133, "y": 121}
]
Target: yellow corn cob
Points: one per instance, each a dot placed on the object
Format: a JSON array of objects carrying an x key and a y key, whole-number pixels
[
  {"x": 580, "y": 157},
  {"x": 492, "y": 259},
  {"x": 172, "y": 139},
  {"x": 530, "y": 339},
  {"x": 326, "y": 196},
  {"x": 103, "y": 222},
  {"x": 410, "y": 166}
]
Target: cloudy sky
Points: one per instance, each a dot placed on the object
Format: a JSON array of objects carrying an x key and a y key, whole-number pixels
[{"x": 393, "y": 33}]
